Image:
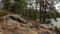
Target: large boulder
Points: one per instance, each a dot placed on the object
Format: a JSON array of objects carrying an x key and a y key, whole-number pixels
[{"x": 14, "y": 17}]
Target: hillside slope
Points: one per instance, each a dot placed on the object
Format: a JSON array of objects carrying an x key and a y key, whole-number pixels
[{"x": 10, "y": 25}]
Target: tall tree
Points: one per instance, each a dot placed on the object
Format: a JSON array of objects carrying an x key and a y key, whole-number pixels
[{"x": 47, "y": 10}]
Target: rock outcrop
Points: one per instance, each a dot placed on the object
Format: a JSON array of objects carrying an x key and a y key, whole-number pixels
[{"x": 14, "y": 24}]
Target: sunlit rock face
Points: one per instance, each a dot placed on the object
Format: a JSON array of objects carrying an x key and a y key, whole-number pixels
[{"x": 14, "y": 17}]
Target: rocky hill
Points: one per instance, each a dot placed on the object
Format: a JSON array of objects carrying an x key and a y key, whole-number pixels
[{"x": 15, "y": 24}]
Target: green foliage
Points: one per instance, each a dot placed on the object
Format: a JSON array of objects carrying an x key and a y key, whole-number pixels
[{"x": 15, "y": 6}]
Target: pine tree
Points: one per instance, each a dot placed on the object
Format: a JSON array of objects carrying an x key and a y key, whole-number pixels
[{"x": 47, "y": 10}]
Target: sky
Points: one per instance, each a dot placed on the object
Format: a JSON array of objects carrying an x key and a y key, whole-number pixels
[
  {"x": 33, "y": 2},
  {"x": 57, "y": 6}
]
